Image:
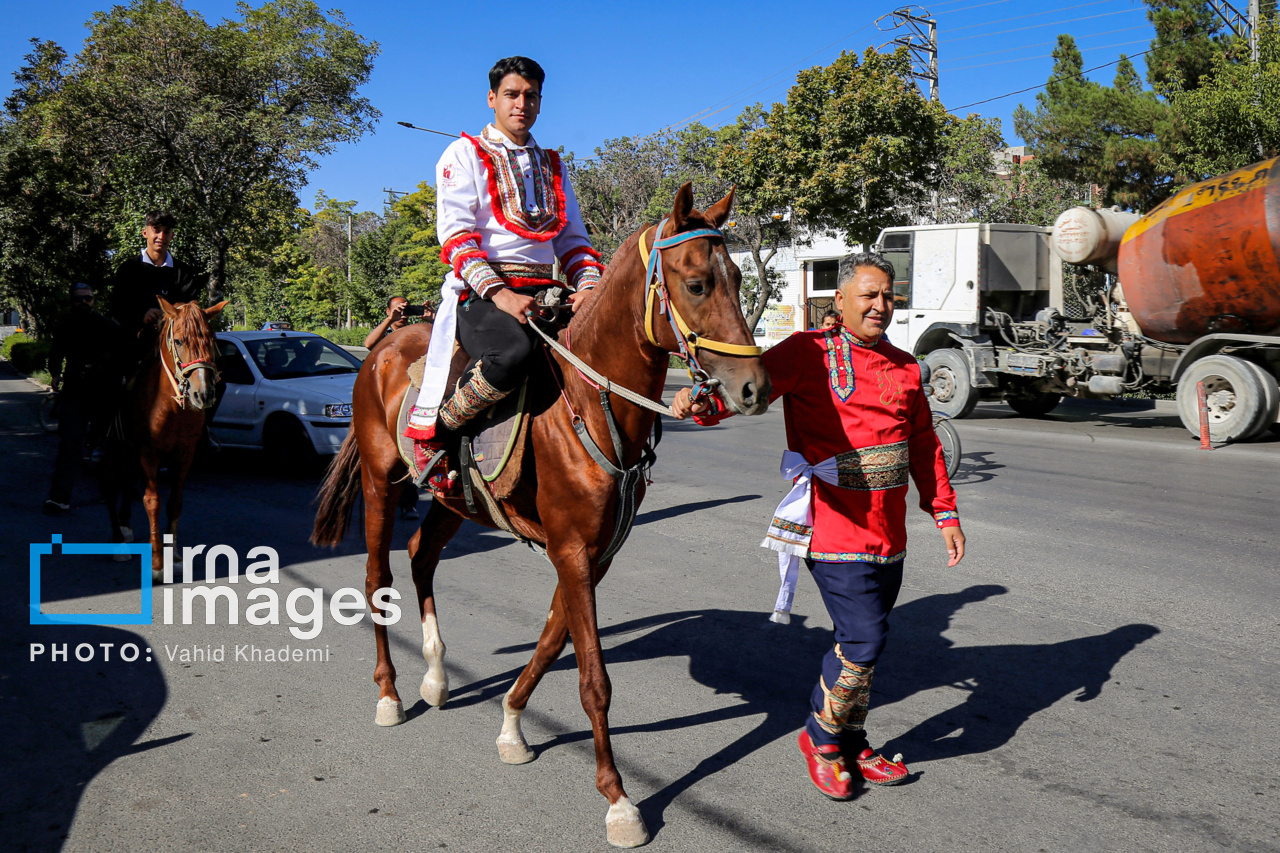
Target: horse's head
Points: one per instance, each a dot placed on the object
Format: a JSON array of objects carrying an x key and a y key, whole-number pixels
[
  {"x": 702, "y": 283},
  {"x": 189, "y": 351}
]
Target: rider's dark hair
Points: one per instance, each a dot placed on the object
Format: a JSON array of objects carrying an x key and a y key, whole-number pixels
[
  {"x": 79, "y": 285},
  {"x": 522, "y": 65},
  {"x": 160, "y": 219},
  {"x": 851, "y": 263}
]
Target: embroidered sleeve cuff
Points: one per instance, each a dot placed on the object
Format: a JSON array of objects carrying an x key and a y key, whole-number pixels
[
  {"x": 479, "y": 276},
  {"x": 947, "y": 519},
  {"x": 459, "y": 245},
  {"x": 585, "y": 275}
]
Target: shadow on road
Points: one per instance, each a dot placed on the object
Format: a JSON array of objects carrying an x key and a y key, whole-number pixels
[
  {"x": 772, "y": 668},
  {"x": 683, "y": 509},
  {"x": 976, "y": 468}
]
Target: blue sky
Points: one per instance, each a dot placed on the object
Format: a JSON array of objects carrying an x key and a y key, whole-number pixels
[{"x": 625, "y": 69}]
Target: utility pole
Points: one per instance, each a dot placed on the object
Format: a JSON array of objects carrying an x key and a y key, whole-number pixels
[
  {"x": 393, "y": 196},
  {"x": 920, "y": 40}
]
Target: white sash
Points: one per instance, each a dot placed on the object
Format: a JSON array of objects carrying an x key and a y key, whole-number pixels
[
  {"x": 792, "y": 525},
  {"x": 444, "y": 331}
]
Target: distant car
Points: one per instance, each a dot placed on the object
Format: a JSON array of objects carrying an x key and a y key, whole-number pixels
[
  {"x": 274, "y": 326},
  {"x": 288, "y": 393}
]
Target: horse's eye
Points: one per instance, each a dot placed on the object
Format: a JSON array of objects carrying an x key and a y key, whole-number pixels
[
  {"x": 177, "y": 342},
  {"x": 696, "y": 288}
]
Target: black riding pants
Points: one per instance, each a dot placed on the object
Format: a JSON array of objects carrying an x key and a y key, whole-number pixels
[{"x": 498, "y": 340}]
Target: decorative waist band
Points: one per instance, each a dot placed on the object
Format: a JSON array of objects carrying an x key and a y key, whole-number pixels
[
  {"x": 515, "y": 269},
  {"x": 875, "y": 468}
]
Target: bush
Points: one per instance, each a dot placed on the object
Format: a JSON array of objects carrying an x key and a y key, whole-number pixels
[{"x": 26, "y": 355}]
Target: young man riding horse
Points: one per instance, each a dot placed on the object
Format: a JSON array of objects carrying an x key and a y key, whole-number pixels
[{"x": 505, "y": 213}]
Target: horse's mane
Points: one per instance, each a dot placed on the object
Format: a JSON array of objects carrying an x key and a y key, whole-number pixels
[{"x": 191, "y": 326}]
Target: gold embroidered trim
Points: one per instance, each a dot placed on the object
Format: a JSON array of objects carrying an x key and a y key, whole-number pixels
[{"x": 875, "y": 468}]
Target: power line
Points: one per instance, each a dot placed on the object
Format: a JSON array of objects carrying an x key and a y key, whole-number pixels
[
  {"x": 1077, "y": 75},
  {"x": 1047, "y": 55},
  {"x": 1038, "y": 26},
  {"x": 1032, "y": 15},
  {"x": 1043, "y": 43}
]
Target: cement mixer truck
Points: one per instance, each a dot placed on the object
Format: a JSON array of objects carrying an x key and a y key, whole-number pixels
[{"x": 1105, "y": 303}]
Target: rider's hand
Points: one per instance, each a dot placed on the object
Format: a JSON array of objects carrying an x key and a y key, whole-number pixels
[
  {"x": 514, "y": 303},
  {"x": 152, "y": 316},
  {"x": 681, "y": 408},
  {"x": 954, "y": 538},
  {"x": 579, "y": 298}
]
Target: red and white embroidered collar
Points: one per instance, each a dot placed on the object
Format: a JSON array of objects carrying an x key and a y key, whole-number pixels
[{"x": 539, "y": 218}]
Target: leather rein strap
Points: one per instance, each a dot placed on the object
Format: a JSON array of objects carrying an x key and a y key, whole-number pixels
[{"x": 181, "y": 381}]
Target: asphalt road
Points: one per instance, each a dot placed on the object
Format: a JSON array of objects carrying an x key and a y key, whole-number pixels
[{"x": 1098, "y": 674}]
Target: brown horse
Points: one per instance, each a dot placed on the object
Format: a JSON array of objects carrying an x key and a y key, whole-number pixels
[
  {"x": 162, "y": 419},
  {"x": 570, "y": 506}
]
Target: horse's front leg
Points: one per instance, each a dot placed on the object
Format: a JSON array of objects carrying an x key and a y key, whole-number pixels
[
  {"x": 151, "y": 501},
  {"x": 178, "y": 469},
  {"x": 573, "y": 562}
]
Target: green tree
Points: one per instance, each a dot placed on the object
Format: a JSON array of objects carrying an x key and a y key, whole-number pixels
[
  {"x": 52, "y": 231},
  {"x": 857, "y": 144},
  {"x": 205, "y": 119},
  {"x": 1233, "y": 118}
]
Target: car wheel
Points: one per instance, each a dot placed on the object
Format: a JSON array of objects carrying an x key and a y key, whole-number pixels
[{"x": 288, "y": 446}]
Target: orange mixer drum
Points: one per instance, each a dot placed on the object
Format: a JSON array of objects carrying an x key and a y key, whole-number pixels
[{"x": 1205, "y": 260}]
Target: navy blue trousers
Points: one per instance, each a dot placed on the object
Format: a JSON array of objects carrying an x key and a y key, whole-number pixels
[{"x": 859, "y": 598}]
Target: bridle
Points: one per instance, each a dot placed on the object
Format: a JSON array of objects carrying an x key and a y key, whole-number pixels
[
  {"x": 180, "y": 374},
  {"x": 657, "y": 294}
]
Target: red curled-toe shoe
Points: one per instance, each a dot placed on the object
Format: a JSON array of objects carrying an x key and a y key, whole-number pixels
[
  {"x": 878, "y": 770},
  {"x": 826, "y": 768}
]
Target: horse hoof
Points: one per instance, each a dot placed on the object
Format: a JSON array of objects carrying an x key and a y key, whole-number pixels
[
  {"x": 625, "y": 826},
  {"x": 126, "y": 534},
  {"x": 157, "y": 575},
  {"x": 515, "y": 751},
  {"x": 123, "y": 558},
  {"x": 435, "y": 692},
  {"x": 390, "y": 712}
]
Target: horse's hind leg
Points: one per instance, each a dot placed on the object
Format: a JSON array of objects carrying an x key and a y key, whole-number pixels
[
  {"x": 512, "y": 747},
  {"x": 380, "y": 498},
  {"x": 439, "y": 526}
]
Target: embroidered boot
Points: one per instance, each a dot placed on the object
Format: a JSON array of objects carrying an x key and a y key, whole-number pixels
[
  {"x": 875, "y": 768},
  {"x": 469, "y": 399}
]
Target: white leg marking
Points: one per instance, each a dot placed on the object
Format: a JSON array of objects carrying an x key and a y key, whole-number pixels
[
  {"x": 126, "y": 536},
  {"x": 512, "y": 747},
  {"x": 625, "y": 826},
  {"x": 435, "y": 684},
  {"x": 390, "y": 712}
]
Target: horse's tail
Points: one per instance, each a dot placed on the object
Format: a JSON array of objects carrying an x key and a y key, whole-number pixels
[{"x": 338, "y": 494}]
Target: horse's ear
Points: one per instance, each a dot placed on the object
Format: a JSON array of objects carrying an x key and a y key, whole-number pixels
[
  {"x": 167, "y": 307},
  {"x": 214, "y": 310},
  {"x": 718, "y": 213},
  {"x": 682, "y": 208}
]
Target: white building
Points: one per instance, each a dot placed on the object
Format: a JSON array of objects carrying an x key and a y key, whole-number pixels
[{"x": 809, "y": 286}]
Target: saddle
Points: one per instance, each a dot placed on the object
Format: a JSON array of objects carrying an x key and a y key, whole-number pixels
[{"x": 497, "y": 437}]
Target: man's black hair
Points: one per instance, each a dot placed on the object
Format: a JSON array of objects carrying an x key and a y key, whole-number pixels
[
  {"x": 162, "y": 219},
  {"x": 830, "y": 313},
  {"x": 391, "y": 299},
  {"x": 850, "y": 264},
  {"x": 522, "y": 65},
  {"x": 79, "y": 285}
]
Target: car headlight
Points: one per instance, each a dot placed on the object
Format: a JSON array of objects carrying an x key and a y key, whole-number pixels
[{"x": 337, "y": 410}]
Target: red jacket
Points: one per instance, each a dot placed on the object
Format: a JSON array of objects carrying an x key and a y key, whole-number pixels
[{"x": 864, "y": 405}]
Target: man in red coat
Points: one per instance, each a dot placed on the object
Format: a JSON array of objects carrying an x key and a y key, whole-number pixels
[{"x": 857, "y": 424}]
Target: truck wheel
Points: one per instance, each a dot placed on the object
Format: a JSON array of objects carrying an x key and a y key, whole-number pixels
[
  {"x": 1271, "y": 400},
  {"x": 1240, "y": 401},
  {"x": 1034, "y": 405},
  {"x": 953, "y": 392}
]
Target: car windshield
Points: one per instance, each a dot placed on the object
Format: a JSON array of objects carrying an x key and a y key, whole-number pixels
[{"x": 290, "y": 358}]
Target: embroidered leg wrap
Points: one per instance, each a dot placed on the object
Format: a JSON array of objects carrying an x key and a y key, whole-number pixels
[
  {"x": 470, "y": 399},
  {"x": 845, "y": 703}
]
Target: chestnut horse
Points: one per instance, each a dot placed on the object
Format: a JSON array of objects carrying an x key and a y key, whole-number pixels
[
  {"x": 570, "y": 506},
  {"x": 163, "y": 417}
]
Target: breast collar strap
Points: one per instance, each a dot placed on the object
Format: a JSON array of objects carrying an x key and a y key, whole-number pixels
[{"x": 657, "y": 294}]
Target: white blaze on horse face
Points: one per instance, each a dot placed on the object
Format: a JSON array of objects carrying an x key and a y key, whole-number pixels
[
  {"x": 724, "y": 270},
  {"x": 435, "y": 684},
  {"x": 512, "y": 747}
]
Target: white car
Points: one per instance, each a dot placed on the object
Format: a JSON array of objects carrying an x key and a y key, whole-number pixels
[{"x": 288, "y": 393}]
